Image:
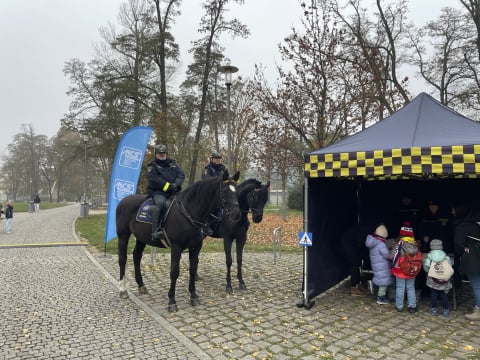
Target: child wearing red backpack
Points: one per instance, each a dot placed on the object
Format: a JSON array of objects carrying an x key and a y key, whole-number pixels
[{"x": 406, "y": 264}]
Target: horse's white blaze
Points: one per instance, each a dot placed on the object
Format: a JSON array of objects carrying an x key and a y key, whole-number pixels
[
  {"x": 123, "y": 284},
  {"x": 232, "y": 188}
]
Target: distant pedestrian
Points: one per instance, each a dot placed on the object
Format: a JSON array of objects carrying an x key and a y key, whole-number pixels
[
  {"x": 36, "y": 203},
  {"x": 439, "y": 288},
  {"x": 8, "y": 216},
  {"x": 380, "y": 261}
]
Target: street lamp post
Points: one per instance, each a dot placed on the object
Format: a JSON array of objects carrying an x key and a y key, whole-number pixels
[
  {"x": 30, "y": 200},
  {"x": 84, "y": 211},
  {"x": 228, "y": 70}
]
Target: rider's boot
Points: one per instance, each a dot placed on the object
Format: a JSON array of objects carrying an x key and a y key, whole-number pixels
[{"x": 157, "y": 232}]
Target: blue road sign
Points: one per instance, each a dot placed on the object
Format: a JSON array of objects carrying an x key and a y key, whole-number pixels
[{"x": 305, "y": 238}]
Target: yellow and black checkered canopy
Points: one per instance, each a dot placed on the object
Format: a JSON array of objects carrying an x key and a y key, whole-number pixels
[
  {"x": 417, "y": 161},
  {"x": 423, "y": 139}
]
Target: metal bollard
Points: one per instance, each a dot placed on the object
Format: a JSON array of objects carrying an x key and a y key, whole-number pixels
[
  {"x": 277, "y": 243},
  {"x": 153, "y": 253}
]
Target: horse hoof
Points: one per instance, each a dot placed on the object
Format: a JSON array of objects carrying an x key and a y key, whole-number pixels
[
  {"x": 242, "y": 286},
  {"x": 172, "y": 308},
  {"x": 195, "y": 302},
  {"x": 123, "y": 294},
  {"x": 142, "y": 290},
  {"x": 229, "y": 290}
]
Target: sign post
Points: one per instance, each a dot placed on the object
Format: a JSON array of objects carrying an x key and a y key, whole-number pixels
[{"x": 305, "y": 240}]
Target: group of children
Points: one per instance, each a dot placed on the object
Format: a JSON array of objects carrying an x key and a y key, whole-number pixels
[{"x": 400, "y": 264}]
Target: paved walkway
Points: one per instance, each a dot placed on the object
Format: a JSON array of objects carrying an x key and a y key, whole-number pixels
[
  {"x": 62, "y": 302},
  {"x": 56, "y": 303}
]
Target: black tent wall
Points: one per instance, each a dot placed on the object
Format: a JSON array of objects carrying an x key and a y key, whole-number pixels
[{"x": 333, "y": 207}]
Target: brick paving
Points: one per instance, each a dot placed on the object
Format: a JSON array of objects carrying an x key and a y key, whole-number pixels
[
  {"x": 57, "y": 304},
  {"x": 63, "y": 302}
]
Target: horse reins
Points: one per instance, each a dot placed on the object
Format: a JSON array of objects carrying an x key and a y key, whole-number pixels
[
  {"x": 249, "y": 197},
  {"x": 196, "y": 222}
]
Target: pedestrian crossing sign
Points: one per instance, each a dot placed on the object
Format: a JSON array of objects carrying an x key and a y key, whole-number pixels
[{"x": 305, "y": 238}]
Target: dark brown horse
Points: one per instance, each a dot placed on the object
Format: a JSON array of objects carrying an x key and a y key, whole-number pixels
[
  {"x": 252, "y": 197},
  {"x": 184, "y": 227}
]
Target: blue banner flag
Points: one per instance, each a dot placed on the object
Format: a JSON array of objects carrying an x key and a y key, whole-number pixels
[{"x": 125, "y": 172}]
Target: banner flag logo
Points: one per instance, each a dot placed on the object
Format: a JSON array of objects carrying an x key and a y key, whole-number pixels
[{"x": 125, "y": 172}]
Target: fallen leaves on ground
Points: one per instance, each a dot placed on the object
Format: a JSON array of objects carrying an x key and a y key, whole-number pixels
[{"x": 262, "y": 233}]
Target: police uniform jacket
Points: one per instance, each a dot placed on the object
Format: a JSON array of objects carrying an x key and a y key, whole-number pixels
[
  {"x": 213, "y": 169},
  {"x": 159, "y": 172}
]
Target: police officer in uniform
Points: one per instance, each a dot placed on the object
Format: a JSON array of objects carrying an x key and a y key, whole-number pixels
[
  {"x": 215, "y": 168},
  {"x": 164, "y": 178}
]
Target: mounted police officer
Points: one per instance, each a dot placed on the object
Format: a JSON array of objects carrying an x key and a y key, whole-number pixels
[
  {"x": 215, "y": 168},
  {"x": 164, "y": 178}
]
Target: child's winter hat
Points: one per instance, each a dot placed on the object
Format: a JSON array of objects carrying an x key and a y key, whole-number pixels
[
  {"x": 436, "y": 244},
  {"x": 381, "y": 230},
  {"x": 406, "y": 230}
]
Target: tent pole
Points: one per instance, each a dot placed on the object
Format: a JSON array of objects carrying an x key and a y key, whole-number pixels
[{"x": 305, "y": 248}]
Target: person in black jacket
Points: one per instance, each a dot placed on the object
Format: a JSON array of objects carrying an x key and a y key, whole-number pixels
[
  {"x": 36, "y": 203},
  {"x": 467, "y": 248},
  {"x": 352, "y": 248},
  {"x": 434, "y": 224},
  {"x": 165, "y": 178},
  {"x": 215, "y": 167}
]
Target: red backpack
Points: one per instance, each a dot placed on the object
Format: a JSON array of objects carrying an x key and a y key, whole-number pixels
[{"x": 411, "y": 264}]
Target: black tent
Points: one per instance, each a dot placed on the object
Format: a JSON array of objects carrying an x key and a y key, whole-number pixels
[{"x": 425, "y": 148}]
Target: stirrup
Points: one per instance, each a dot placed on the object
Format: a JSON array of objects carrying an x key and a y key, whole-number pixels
[{"x": 158, "y": 235}]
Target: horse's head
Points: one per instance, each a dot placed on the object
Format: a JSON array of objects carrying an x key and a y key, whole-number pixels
[
  {"x": 229, "y": 196},
  {"x": 257, "y": 199}
]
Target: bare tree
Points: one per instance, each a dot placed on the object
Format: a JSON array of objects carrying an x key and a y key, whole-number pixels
[
  {"x": 166, "y": 49},
  {"x": 439, "y": 47},
  {"x": 25, "y": 157},
  {"x": 472, "y": 54},
  {"x": 212, "y": 25},
  {"x": 375, "y": 44}
]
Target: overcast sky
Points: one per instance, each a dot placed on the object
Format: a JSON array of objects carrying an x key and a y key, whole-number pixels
[{"x": 39, "y": 36}]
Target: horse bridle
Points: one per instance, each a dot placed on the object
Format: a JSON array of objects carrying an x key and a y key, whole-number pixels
[
  {"x": 225, "y": 210},
  {"x": 199, "y": 223},
  {"x": 250, "y": 198}
]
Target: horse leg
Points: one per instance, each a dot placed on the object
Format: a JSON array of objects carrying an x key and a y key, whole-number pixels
[
  {"x": 240, "y": 244},
  {"x": 227, "y": 246},
  {"x": 175, "y": 255},
  {"x": 193, "y": 254},
  {"x": 137, "y": 258},
  {"x": 122, "y": 261}
]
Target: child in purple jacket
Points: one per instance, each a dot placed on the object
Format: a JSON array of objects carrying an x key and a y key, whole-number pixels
[{"x": 380, "y": 261}]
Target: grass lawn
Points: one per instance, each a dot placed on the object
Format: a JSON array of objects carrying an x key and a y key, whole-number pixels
[
  {"x": 22, "y": 206},
  {"x": 260, "y": 236}
]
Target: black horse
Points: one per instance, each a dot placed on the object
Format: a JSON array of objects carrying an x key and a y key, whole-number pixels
[
  {"x": 252, "y": 197},
  {"x": 184, "y": 227}
]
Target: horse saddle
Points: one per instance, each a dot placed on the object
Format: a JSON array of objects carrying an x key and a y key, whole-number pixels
[{"x": 144, "y": 215}]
